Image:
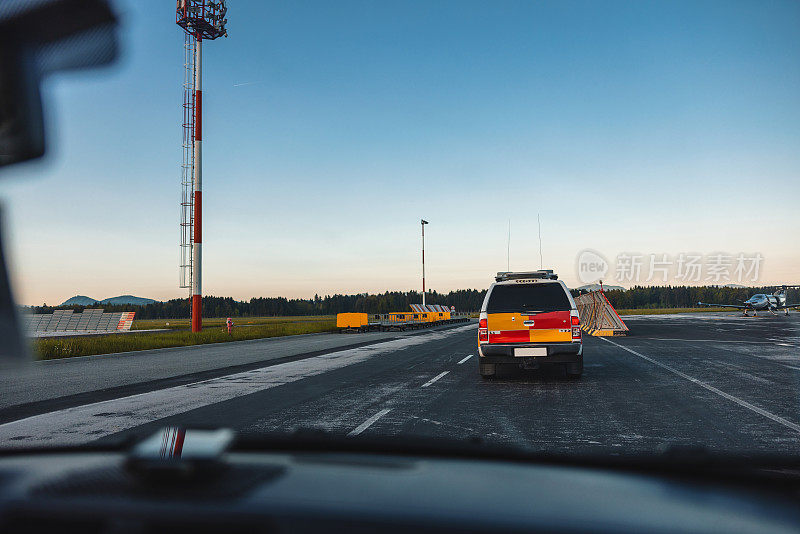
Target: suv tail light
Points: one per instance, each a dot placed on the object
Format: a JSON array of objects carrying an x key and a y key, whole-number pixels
[
  {"x": 483, "y": 330},
  {"x": 576, "y": 325}
]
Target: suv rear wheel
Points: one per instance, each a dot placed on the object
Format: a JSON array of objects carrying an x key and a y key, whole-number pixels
[
  {"x": 487, "y": 370},
  {"x": 574, "y": 370}
]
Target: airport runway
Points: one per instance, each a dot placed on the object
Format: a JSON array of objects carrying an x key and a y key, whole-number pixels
[{"x": 718, "y": 380}]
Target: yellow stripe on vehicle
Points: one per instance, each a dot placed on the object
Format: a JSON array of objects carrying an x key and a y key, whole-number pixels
[
  {"x": 506, "y": 321},
  {"x": 551, "y": 335}
]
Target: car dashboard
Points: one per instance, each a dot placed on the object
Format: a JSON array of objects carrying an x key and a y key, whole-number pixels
[{"x": 359, "y": 492}]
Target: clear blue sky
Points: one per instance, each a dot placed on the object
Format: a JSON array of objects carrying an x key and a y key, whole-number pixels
[{"x": 330, "y": 128}]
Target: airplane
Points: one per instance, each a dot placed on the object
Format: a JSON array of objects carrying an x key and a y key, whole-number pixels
[{"x": 760, "y": 301}]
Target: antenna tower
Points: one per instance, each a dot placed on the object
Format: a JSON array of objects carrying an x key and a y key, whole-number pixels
[{"x": 200, "y": 19}]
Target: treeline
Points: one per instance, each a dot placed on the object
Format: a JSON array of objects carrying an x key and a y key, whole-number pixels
[
  {"x": 464, "y": 300},
  {"x": 640, "y": 297}
]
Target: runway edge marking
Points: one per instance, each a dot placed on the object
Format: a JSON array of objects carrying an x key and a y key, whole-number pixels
[{"x": 740, "y": 402}]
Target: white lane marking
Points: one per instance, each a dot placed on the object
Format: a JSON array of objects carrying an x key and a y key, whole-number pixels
[
  {"x": 81, "y": 424},
  {"x": 465, "y": 359},
  {"x": 712, "y": 389},
  {"x": 792, "y": 367},
  {"x": 368, "y": 423},
  {"x": 434, "y": 379}
]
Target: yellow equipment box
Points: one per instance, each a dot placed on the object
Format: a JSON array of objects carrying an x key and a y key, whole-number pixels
[{"x": 351, "y": 320}]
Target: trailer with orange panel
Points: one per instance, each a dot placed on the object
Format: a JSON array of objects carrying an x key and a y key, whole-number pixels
[{"x": 352, "y": 321}]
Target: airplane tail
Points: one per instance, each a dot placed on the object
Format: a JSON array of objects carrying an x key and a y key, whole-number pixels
[{"x": 782, "y": 289}]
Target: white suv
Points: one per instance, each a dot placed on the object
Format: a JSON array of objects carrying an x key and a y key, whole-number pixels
[{"x": 528, "y": 319}]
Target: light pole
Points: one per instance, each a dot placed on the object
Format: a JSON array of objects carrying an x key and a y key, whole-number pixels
[{"x": 423, "y": 222}]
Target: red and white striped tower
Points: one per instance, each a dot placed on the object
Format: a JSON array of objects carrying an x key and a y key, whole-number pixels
[
  {"x": 200, "y": 19},
  {"x": 197, "y": 190}
]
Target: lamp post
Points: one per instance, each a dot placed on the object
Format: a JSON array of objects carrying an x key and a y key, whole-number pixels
[{"x": 423, "y": 222}]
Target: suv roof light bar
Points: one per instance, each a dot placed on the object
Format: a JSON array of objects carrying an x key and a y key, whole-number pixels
[{"x": 544, "y": 274}]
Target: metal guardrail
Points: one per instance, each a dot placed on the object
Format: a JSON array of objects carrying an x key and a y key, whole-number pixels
[{"x": 90, "y": 320}]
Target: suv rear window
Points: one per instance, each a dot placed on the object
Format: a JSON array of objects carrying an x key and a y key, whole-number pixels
[{"x": 527, "y": 298}]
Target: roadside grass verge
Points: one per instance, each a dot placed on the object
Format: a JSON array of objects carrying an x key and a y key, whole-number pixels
[
  {"x": 663, "y": 311},
  {"x": 177, "y": 324},
  {"x": 67, "y": 347}
]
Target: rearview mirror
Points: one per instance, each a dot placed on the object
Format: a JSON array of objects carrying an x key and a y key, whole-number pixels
[{"x": 37, "y": 38}]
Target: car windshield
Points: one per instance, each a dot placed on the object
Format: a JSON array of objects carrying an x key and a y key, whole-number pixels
[
  {"x": 285, "y": 217},
  {"x": 528, "y": 298}
]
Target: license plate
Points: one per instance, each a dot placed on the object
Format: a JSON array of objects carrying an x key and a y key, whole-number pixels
[{"x": 538, "y": 351}]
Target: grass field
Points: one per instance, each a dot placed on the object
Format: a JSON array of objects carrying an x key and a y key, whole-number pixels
[
  {"x": 213, "y": 332},
  {"x": 662, "y": 311}
]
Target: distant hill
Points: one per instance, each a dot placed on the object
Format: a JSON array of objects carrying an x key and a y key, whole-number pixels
[
  {"x": 79, "y": 300},
  {"x": 127, "y": 299},
  {"x": 595, "y": 287}
]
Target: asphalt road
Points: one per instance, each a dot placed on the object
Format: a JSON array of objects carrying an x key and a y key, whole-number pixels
[
  {"x": 44, "y": 386},
  {"x": 717, "y": 380}
]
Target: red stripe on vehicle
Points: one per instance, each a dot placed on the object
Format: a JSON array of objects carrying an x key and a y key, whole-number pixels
[
  {"x": 559, "y": 319},
  {"x": 510, "y": 336}
]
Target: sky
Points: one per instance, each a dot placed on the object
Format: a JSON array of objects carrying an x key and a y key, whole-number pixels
[{"x": 331, "y": 128}]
